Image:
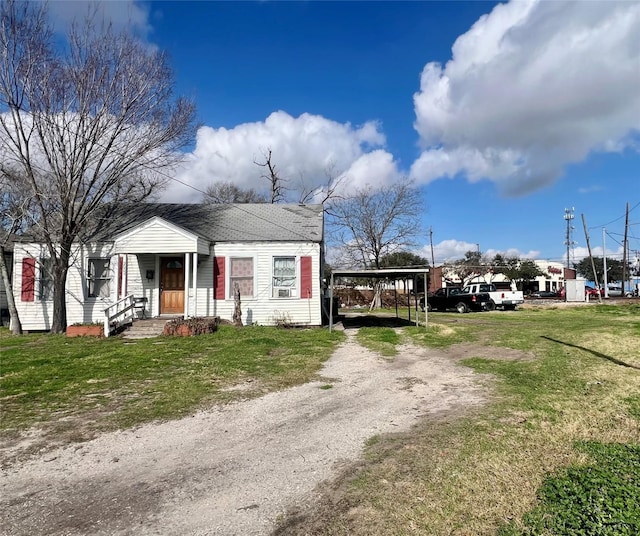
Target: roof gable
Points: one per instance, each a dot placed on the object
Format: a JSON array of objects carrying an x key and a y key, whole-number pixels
[{"x": 157, "y": 234}]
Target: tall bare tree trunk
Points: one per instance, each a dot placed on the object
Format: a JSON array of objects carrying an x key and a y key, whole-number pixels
[
  {"x": 60, "y": 270},
  {"x": 376, "y": 302},
  {"x": 16, "y": 325},
  {"x": 237, "y": 311}
]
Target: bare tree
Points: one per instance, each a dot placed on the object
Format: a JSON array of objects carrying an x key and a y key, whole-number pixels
[
  {"x": 373, "y": 223},
  {"x": 93, "y": 123},
  {"x": 473, "y": 265},
  {"x": 277, "y": 188},
  {"x": 14, "y": 208},
  {"x": 225, "y": 192},
  {"x": 326, "y": 194}
]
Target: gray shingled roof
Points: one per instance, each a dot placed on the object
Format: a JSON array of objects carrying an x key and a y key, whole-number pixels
[{"x": 227, "y": 223}]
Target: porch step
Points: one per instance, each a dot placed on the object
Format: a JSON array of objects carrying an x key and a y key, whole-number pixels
[{"x": 145, "y": 328}]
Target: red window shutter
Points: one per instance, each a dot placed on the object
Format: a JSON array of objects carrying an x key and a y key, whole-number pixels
[
  {"x": 218, "y": 278},
  {"x": 305, "y": 278},
  {"x": 120, "y": 271},
  {"x": 28, "y": 279}
]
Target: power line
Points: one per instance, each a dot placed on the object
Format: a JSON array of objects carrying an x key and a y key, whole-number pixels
[
  {"x": 617, "y": 219},
  {"x": 610, "y": 236},
  {"x": 622, "y": 234}
]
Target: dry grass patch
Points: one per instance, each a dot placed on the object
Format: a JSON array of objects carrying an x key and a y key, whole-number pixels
[{"x": 624, "y": 349}]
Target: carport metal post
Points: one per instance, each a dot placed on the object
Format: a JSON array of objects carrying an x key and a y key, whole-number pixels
[
  {"x": 331, "y": 304},
  {"x": 415, "y": 291},
  {"x": 395, "y": 293},
  {"x": 426, "y": 315}
]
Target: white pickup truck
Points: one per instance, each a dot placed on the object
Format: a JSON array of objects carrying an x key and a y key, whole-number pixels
[{"x": 506, "y": 299}]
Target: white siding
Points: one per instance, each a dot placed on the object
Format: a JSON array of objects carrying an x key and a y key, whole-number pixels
[
  {"x": 136, "y": 267},
  {"x": 263, "y": 308},
  {"x": 157, "y": 237},
  {"x": 37, "y": 314}
]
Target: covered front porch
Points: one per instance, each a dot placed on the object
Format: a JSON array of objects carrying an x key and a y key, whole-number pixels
[
  {"x": 155, "y": 286},
  {"x": 157, "y": 275}
]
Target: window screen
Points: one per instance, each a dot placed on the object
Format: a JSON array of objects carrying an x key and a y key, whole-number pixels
[{"x": 241, "y": 272}]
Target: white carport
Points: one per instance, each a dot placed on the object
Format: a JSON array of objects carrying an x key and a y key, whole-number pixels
[{"x": 391, "y": 274}]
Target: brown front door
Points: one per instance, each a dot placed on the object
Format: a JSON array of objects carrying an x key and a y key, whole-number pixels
[{"x": 171, "y": 285}]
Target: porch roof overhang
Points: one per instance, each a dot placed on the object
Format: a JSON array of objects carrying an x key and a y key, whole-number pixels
[
  {"x": 392, "y": 274},
  {"x": 157, "y": 235}
]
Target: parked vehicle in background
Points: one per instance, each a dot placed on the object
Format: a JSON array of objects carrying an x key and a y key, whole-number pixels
[
  {"x": 505, "y": 299},
  {"x": 615, "y": 292},
  {"x": 455, "y": 298},
  {"x": 545, "y": 294},
  {"x": 591, "y": 292}
]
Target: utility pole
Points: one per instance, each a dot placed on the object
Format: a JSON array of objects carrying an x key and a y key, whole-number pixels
[
  {"x": 593, "y": 266},
  {"x": 433, "y": 261},
  {"x": 604, "y": 264},
  {"x": 624, "y": 249}
]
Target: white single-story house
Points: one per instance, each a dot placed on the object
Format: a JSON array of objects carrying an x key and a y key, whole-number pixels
[{"x": 184, "y": 260}]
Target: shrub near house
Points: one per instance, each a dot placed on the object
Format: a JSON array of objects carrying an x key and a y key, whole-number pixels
[{"x": 191, "y": 326}]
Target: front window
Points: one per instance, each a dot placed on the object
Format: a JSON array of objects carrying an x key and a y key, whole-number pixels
[
  {"x": 241, "y": 272},
  {"x": 98, "y": 278},
  {"x": 284, "y": 277},
  {"x": 45, "y": 280}
]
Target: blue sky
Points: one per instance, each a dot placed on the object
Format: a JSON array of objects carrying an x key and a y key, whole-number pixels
[{"x": 503, "y": 114}]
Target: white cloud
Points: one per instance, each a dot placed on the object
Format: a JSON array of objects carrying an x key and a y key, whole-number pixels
[
  {"x": 513, "y": 252},
  {"x": 450, "y": 250},
  {"x": 531, "y": 87},
  {"x": 590, "y": 189},
  {"x": 580, "y": 252},
  {"x": 121, "y": 13},
  {"x": 305, "y": 149}
]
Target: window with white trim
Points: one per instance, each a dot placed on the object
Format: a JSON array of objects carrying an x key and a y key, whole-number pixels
[
  {"x": 284, "y": 277},
  {"x": 45, "y": 279},
  {"x": 241, "y": 272},
  {"x": 98, "y": 278}
]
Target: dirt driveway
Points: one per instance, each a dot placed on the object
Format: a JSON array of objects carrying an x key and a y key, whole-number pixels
[{"x": 232, "y": 470}]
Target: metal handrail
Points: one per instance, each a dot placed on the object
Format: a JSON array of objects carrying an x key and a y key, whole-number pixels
[{"x": 118, "y": 309}]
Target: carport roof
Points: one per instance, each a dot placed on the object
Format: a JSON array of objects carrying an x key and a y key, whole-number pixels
[{"x": 382, "y": 273}]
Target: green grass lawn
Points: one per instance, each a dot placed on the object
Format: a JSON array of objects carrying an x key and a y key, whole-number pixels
[
  {"x": 83, "y": 385},
  {"x": 556, "y": 451}
]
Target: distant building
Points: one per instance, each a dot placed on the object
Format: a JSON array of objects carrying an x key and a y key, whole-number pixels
[{"x": 552, "y": 280}]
